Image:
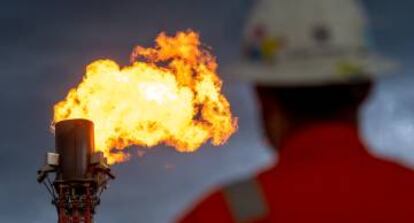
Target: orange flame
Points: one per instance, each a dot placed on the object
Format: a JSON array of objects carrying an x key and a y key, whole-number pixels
[{"x": 169, "y": 94}]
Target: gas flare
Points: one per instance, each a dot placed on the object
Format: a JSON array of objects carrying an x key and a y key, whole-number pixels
[{"x": 169, "y": 94}]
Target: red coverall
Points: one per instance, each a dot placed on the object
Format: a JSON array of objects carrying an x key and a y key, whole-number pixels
[{"x": 324, "y": 175}]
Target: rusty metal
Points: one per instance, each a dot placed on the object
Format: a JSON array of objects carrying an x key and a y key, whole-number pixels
[{"x": 81, "y": 174}]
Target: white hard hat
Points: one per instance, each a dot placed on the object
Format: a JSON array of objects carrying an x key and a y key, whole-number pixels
[{"x": 307, "y": 42}]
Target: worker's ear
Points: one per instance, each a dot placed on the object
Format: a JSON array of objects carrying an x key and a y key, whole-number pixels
[
  {"x": 361, "y": 91},
  {"x": 268, "y": 101},
  {"x": 274, "y": 122},
  {"x": 265, "y": 98}
]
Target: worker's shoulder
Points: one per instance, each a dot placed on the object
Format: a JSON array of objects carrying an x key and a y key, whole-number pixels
[
  {"x": 387, "y": 166},
  {"x": 234, "y": 192}
]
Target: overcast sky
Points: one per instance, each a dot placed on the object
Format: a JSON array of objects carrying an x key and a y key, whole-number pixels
[{"x": 44, "y": 47}]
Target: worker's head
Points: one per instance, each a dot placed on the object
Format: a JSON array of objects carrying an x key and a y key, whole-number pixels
[
  {"x": 285, "y": 108},
  {"x": 310, "y": 60}
]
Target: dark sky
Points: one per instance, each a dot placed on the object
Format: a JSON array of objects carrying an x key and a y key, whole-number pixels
[{"x": 44, "y": 46}]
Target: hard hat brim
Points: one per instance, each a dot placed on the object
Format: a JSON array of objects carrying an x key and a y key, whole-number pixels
[{"x": 313, "y": 71}]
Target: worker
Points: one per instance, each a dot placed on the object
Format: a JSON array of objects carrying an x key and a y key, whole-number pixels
[{"x": 312, "y": 64}]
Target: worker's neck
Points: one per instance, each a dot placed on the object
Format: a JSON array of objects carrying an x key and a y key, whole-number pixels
[{"x": 291, "y": 125}]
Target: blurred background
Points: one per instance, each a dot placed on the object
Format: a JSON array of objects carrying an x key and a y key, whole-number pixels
[{"x": 45, "y": 45}]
